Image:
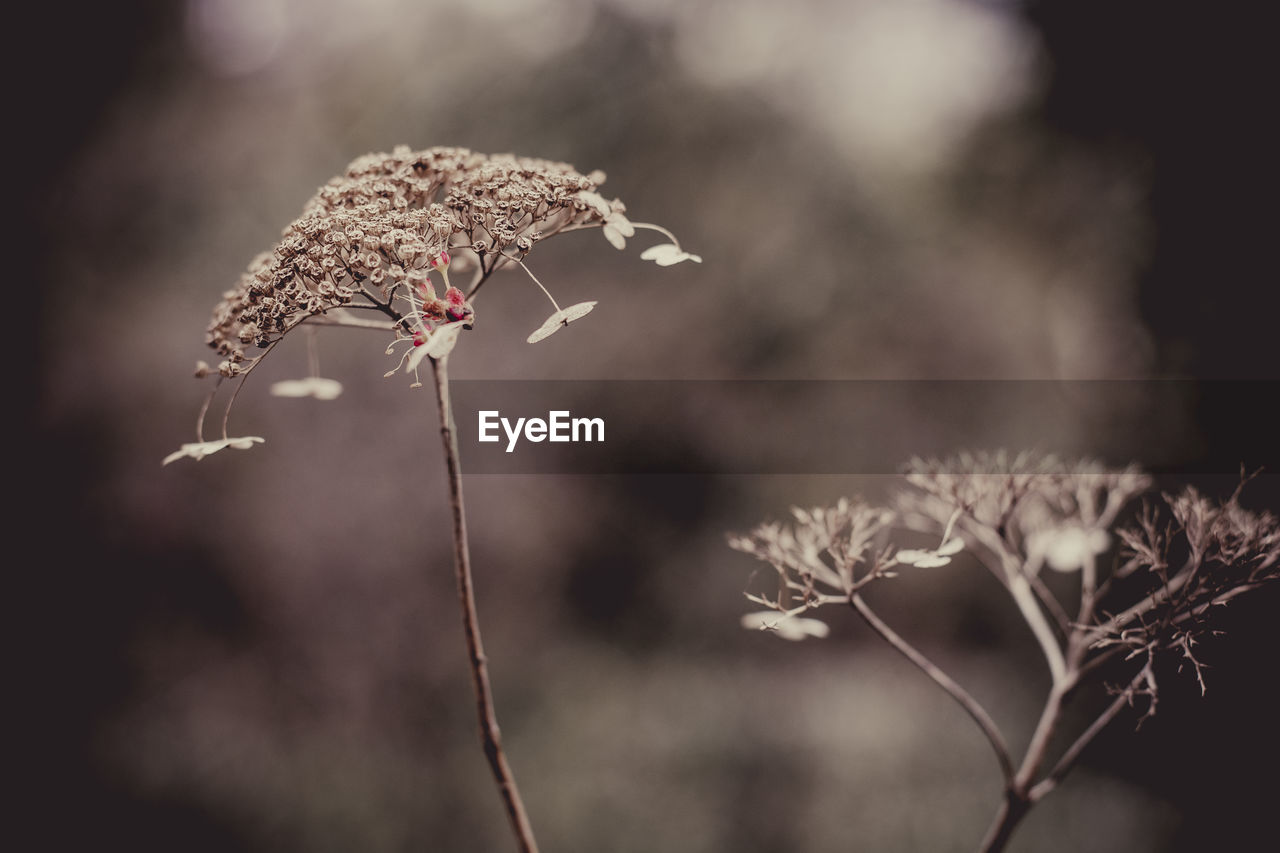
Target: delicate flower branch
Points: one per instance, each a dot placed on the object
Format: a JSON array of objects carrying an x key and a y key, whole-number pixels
[
  {"x": 1018, "y": 515},
  {"x": 371, "y": 240},
  {"x": 954, "y": 690}
]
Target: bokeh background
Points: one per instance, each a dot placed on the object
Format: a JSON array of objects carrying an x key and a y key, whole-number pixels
[{"x": 262, "y": 651}]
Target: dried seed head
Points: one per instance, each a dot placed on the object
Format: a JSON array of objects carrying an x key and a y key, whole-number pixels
[{"x": 398, "y": 210}]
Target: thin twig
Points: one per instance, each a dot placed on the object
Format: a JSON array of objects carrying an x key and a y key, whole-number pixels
[
  {"x": 1020, "y": 590},
  {"x": 1040, "y": 738},
  {"x": 954, "y": 690},
  {"x": 1015, "y": 580},
  {"x": 1068, "y": 759},
  {"x": 1051, "y": 604},
  {"x": 1087, "y": 668},
  {"x": 489, "y": 733},
  {"x": 1117, "y": 623}
]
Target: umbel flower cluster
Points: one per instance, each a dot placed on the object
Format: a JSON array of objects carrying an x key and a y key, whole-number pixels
[
  {"x": 371, "y": 240},
  {"x": 1151, "y": 576}
]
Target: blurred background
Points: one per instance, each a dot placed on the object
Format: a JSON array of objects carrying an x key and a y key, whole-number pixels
[{"x": 262, "y": 651}]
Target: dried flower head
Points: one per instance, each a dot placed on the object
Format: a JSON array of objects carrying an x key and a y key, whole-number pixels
[
  {"x": 1196, "y": 554},
  {"x": 825, "y": 554},
  {"x": 1049, "y": 507},
  {"x": 1175, "y": 567},
  {"x": 372, "y": 238}
]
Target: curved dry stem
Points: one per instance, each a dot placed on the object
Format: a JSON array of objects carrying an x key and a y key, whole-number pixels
[
  {"x": 1020, "y": 589},
  {"x": 489, "y": 733},
  {"x": 954, "y": 690},
  {"x": 1051, "y": 604}
]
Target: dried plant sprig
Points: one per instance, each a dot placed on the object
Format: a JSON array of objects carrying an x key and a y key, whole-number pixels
[
  {"x": 1226, "y": 550},
  {"x": 371, "y": 240},
  {"x": 1017, "y": 514}
]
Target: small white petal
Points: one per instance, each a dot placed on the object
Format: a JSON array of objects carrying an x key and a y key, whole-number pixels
[
  {"x": 559, "y": 319},
  {"x": 313, "y": 386},
  {"x": 797, "y": 628},
  {"x": 291, "y": 388},
  {"x": 437, "y": 345},
  {"x": 1067, "y": 549},
  {"x": 760, "y": 619},
  {"x": 443, "y": 339},
  {"x": 415, "y": 358},
  {"x": 786, "y": 627},
  {"x": 615, "y": 237},
  {"x": 951, "y": 546},
  {"x": 662, "y": 250},
  {"x": 621, "y": 224},
  {"x": 595, "y": 200},
  {"x": 185, "y": 450},
  {"x": 911, "y": 556},
  {"x": 931, "y": 561},
  {"x": 201, "y": 449}
]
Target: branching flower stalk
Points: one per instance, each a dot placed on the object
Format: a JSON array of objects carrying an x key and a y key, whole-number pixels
[
  {"x": 370, "y": 241},
  {"x": 1169, "y": 568}
]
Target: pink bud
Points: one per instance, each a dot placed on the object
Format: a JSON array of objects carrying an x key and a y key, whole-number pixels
[{"x": 458, "y": 308}]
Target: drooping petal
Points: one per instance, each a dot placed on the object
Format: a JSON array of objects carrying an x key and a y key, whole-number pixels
[
  {"x": 681, "y": 258},
  {"x": 620, "y": 222},
  {"x": 437, "y": 345},
  {"x": 785, "y": 626},
  {"x": 615, "y": 237},
  {"x": 596, "y": 201},
  {"x": 312, "y": 386},
  {"x": 662, "y": 250},
  {"x": 617, "y": 228},
  {"x": 667, "y": 254},
  {"x": 922, "y": 559},
  {"x": 200, "y": 449},
  {"x": 559, "y": 319},
  {"x": 931, "y": 559}
]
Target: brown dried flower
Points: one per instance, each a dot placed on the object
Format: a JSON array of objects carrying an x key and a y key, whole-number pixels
[
  {"x": 390, "y": 217},
  {"x": 371, "y": 238}
]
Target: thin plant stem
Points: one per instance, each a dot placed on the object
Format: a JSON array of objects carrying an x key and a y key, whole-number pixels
[
  {"x": 489, "y": 733},
  {"x": 1068, "y": 759},
  {"x": 1013, "y": 808},
  {"x": 954, "y": 690},
  {"x": 1051, "y": 604},
  {"x": 1121, "y": 620},
  {"x": 1039, "y": 745},
  {"x": 1020, "y": 589},
  {"x": 1021, "y": 796}
]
